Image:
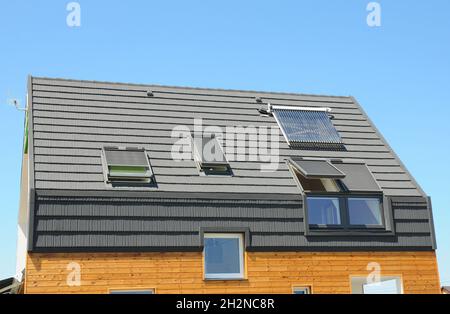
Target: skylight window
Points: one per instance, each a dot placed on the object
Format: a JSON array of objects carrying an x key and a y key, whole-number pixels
[
  {"x": 209, "y": 155},
  {"x": 307, "y": 128},
  {"x": 321, "y": 175},
  {"x": 358, "y": 177},
  {"x": 124, "y": 165},
  {"x": 317, "y": 168},
  {"x": 314, "y": 175}
]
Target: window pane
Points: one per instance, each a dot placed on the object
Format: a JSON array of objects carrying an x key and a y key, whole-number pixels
[
  {"x": 222, "y": 256},
  {"x": 323, "y": 211},
  {"x": 386, "y": 285},
  {"x": 125, "y": 157},
  {"x": 131, "y": 291},
  {"x": 127, "y": 171},
  {"x": 301, "y": 290},
  {"x": 383, "y": 287},
  {"x": 364, "y": 211}
]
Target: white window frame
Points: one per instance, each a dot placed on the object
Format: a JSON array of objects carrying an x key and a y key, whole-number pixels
[
  {"x": 132, "y": 291},
  {"x": 198, "y": 158},
  {"x": 219, "y": 276},
  {"x": 361, "y": 281},
  {"x": 306, "y": 289}
]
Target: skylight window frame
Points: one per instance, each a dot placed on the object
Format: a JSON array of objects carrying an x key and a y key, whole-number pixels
[
  {"x": 133, "y": 291},
  {"x": 129, "y": 178},
  {"x": 308, "y": 145},
  {"x": 202, "y": 165},
  {"x": 376, "y": 189},
  {"x": 295, "y": 163}
]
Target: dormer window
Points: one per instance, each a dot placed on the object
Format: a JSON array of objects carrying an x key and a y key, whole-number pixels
[
  {"x": 307, "y": 128},
  {"x": 339, "y": 195}
]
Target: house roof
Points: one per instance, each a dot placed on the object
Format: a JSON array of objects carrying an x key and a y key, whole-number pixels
[
  {"x": 74, "y": 209},
  {"x": 72, "y": 120},
  {"x": 9, "y": 286}
]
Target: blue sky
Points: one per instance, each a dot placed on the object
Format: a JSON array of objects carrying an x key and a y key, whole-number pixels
[{"x": 399, "y": 72}]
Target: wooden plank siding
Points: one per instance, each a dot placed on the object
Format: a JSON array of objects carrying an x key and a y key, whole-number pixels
[{"x": 266, "y": 272}]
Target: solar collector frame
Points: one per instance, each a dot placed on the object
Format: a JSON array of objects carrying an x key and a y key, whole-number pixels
[{"x": 307, "y": 128}]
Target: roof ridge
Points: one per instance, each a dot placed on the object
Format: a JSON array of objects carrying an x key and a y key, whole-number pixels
[{"x": 191, "y": 87}]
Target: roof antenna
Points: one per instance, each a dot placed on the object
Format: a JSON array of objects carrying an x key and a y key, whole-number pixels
[{"x": 16, "y": 103}]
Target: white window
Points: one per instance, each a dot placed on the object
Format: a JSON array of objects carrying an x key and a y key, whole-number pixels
[
  {"x": 386, "y": 285},
  {"x": 224, "y": 256},
  {"x": 138, "y": 291},
  {"x": 301, "y": 290}
]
